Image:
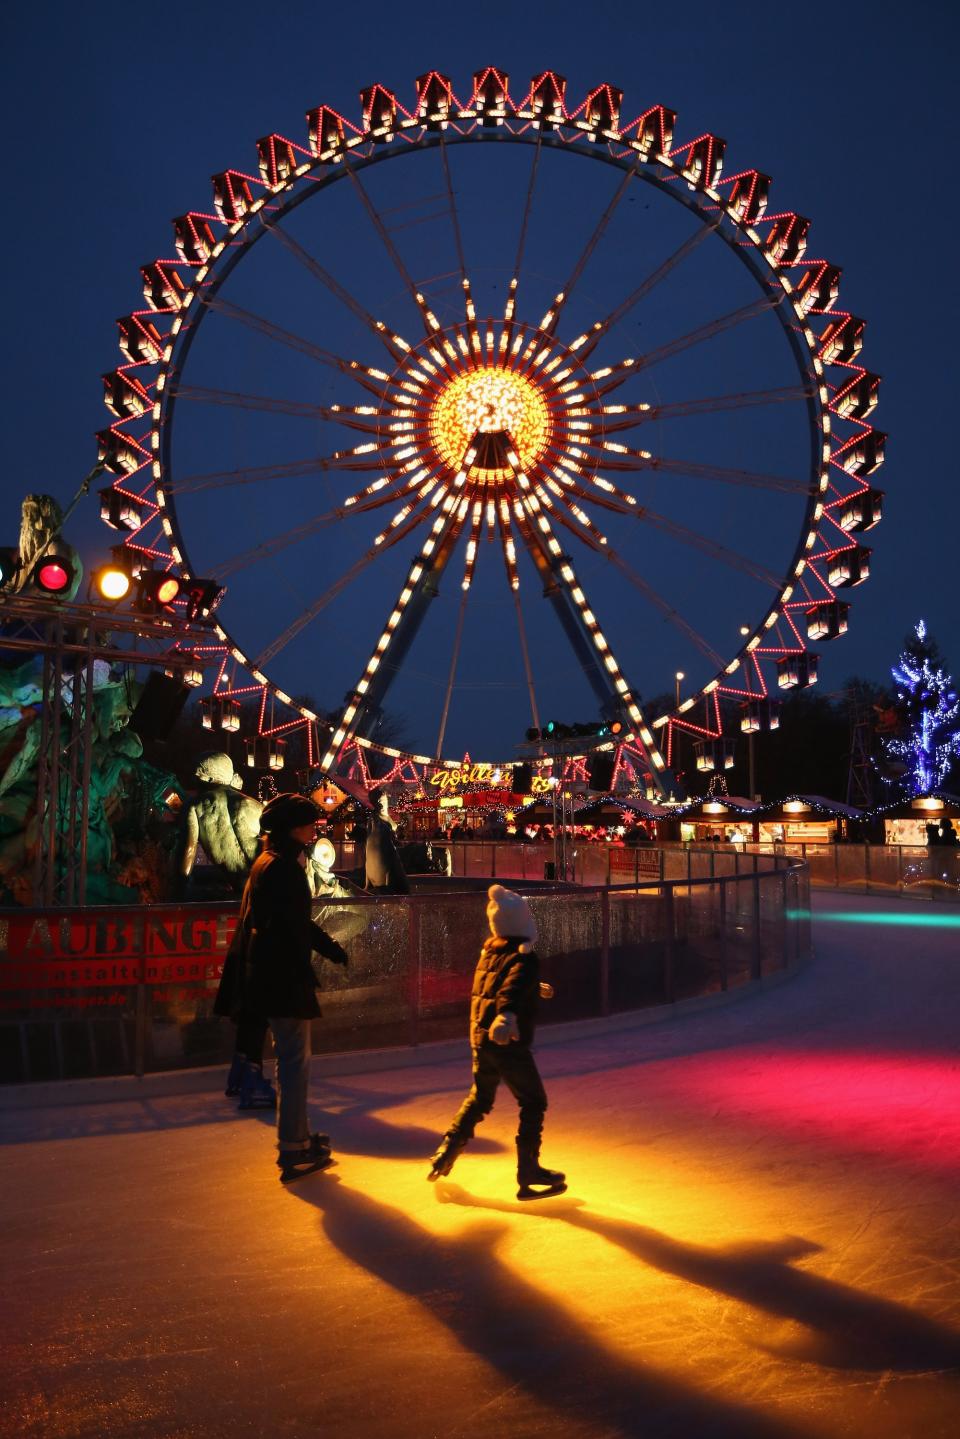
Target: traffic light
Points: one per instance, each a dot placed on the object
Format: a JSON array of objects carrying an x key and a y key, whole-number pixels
[{"x": 591, "y": 729}]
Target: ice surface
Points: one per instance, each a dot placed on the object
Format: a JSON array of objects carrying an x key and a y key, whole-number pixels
[{"x": 761, "y": 1237}]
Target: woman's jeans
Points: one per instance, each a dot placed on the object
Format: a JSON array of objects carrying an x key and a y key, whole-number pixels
[{"x": 291, "y": 1038}]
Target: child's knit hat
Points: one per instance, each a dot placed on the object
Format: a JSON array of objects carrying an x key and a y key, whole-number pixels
[{"x": 509, "y": 917}]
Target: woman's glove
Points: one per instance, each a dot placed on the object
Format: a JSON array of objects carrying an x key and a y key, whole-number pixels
[
  {"x": 504, "y": 1028},
  {"x": 546, "y": 990},
  {"x": 338, "y": 955}
]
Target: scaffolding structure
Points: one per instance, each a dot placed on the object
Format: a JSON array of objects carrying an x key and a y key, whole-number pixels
[{"x": 72, "y": 638}]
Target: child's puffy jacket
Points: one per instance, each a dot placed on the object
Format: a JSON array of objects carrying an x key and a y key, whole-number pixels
[{"x": 504, "y": 979}]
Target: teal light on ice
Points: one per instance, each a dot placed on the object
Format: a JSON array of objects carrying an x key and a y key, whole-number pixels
[{"x": 916, "y": 921}]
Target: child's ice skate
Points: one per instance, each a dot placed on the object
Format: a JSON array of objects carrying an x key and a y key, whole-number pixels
[
  {"x": 294, "y": 1164},
  {"x": 536, "y": 1182},
  {"x": 446, "y": 1156}
]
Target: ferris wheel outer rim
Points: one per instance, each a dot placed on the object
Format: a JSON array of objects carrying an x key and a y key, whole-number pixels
[{"x": 767, "y": 272}]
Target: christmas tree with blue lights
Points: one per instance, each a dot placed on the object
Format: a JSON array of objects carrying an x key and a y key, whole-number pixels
[{"x": 930, "y": 710}]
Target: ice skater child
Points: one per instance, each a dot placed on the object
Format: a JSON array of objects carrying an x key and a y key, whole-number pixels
[{"x": 503, "y": 1008}]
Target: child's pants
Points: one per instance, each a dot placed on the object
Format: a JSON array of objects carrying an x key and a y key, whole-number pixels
[{"x": 515, "y": 1065}]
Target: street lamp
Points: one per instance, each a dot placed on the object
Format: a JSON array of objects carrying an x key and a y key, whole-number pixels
[{"x": 679, "y": 676}]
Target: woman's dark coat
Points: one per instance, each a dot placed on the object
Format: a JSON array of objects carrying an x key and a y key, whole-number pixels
[
  {"x": 267, "y": 970},
  {"x": 504, "y": 979}
]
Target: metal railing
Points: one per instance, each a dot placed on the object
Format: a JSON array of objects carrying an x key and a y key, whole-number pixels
[
  {"x": 91, "y": 992},
  {"x": 589, "y": 863},
  {"x": 912, "y": 870}
]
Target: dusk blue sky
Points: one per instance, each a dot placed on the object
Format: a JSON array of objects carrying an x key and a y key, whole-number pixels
[{"x": 116, "y": 116}]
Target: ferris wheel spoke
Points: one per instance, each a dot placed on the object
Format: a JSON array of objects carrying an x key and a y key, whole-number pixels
[
  {"x": 454, "y": 660},
  {"x": 452, "y": 202},
  {"x": 246, "y": 475},
  {"x": 508, "y": 547},
  {"x": 706, "y": 546},
  {"x": 620, "y": 372},
  {"x": 355, "y": 417},
  {"x": 237, "y": 400},
  {"x": 510, "y": 306},
  {"x": 613, "y": 498},
  {"x": 585, "y": 344},
  {"x": 353, "y": 505},
  {"x": 402, "y": 624},
  {"x": 634, "y": 415},
  {"x": 588, "y": 462},
  {"x": 430, "y": 322},
  {"x": 525, "y": 655},
  {"x": 318, "y": 605},
  {"x": 549, "y": 322},
  {"x": 266, "y": 327},
  {"x": 716, "y": 404},
  {"x": 395, "y": 344},
  {"x": 340, "y": 460},
  {"x": 579, "y": 525},
  {"x": 566, "y": 582},
  {"x": 666, "y": 609},
  {"x": 330, "y": 594}
]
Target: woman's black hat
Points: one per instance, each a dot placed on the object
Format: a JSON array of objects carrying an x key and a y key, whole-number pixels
[{"x": 286, "y": 812}]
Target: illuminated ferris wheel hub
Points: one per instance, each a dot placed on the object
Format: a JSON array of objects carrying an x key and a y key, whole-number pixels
[{"x": 491, "y": 400}]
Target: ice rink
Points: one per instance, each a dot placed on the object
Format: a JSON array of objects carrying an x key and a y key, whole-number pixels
[{"x": 761, "y": 1235}]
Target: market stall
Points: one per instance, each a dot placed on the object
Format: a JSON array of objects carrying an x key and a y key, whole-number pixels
[
  {"x": 915, "y": 820},
  {"x": 807, "y": 819}
]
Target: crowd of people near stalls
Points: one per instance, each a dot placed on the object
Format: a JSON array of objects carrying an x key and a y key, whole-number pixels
[
  {"x": 942, "y": 835},
  {"x": 540, "y": 833},
  {"x": 494, "y": 829}
]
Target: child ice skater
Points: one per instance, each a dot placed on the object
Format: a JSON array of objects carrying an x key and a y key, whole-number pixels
[{"x": 503, "y": 1007}]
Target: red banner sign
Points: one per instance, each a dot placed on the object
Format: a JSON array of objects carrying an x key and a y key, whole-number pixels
[{"x": 81, "y": 949}]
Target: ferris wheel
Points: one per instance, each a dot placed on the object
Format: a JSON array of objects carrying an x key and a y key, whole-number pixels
[{"x": 478, "y": 385}]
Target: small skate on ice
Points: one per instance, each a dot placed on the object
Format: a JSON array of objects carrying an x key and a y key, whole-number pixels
[
  {"x": 534, "y": 1180},
  {"x": 446, "y": 1156}
]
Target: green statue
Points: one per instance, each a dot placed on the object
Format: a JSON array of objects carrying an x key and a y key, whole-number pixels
[{"x": 222, "y": 820}]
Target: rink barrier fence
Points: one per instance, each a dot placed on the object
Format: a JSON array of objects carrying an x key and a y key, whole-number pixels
[
  {"x": 911, "y": 871},
  {"x": 101, "y": 991}
]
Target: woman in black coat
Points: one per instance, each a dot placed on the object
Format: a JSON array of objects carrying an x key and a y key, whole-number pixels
[{"x": 268, "y": 970}]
